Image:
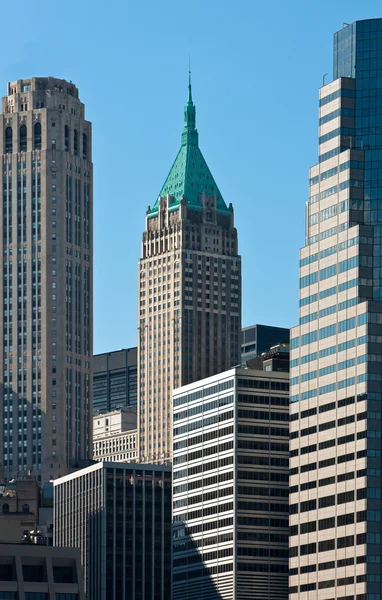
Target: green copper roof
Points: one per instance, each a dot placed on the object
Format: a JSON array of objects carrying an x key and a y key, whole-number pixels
[{"x": 189, "y": 175}]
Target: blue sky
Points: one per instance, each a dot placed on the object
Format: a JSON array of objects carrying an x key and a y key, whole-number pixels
[{"x": 256, "y": 70}]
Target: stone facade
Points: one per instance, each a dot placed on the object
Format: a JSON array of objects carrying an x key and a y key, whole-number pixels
[
  {"x": 115, "y": 435},
  {"x": 189, "y": 292},
  {"x": 46, "y": 279}
]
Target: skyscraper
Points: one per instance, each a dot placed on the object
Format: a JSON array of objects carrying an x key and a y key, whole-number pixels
[
  {"x": 336, "y": 352},
  {"x": 189, "y": 292},
  {"x": 230, "y": 485},
  {"x": 46, "y": 280},
  {"x": 119, "y": 515}
]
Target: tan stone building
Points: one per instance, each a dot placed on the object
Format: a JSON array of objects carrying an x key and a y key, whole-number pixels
[
  {"x": 46, "y": 279},
  {"x": 19, "y": 508},
  {"x": 189, "y": 295},
  {"x": 115, "y": 435}
]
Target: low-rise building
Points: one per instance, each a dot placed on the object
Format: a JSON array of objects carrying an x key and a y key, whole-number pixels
[
  {"x": 42, "y": 572},
  {"x": 19, "y": 506},
  {"x": 119, "y": 515},
  {"x": 115, "y": 435}
]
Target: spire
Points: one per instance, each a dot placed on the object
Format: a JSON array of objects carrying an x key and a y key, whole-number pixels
[
  {"x": 189, "y": 176},
  {"x": 189, "y": 87},
  {"x": 189, "y": 134}
]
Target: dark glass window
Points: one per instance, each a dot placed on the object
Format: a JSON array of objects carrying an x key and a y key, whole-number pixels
[
  {"x": 8, "y": 140},
  {"x": 85, "y": 146},
  {"x": 23, "y": 138},
  {"x": 75, "y": 143},
  {"x": 66, "y": 138},
  {"x": 37, "y": 136}
]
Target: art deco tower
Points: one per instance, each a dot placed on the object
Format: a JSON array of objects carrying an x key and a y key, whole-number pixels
[
  {"x": 46, "y": 280},
  {"x": 336, "y": 358},
  {"x": 189, "y": 291}
]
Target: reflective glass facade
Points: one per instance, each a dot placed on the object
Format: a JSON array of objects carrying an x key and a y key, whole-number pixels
[
  {"x": 119, "y": 515},
  {"x": 114, "y": 380},
  {"x": 336, "y": 355}
]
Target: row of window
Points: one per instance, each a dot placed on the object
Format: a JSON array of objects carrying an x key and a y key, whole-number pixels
[
  {"x": 330, "y": 522},
  {"x": 335, "y": 133},
  {"x": 340, "y": 563},
  {"x": 340, "y": 112},
  {"x": 204, "y": 482},
  {"x": 311, "y": 485},
  {"x": 203, "y": 408},
  {"x": 341, "y": 93},
  {"x": 329, "y": 232},
  {"x": 324, "y": 585},
  {"x": 336, "y": 248},
  {"x": 333, "y": 544},
  {"x": 330, "y": 330},
  {"x": 345, "y": 364},
  {"x": 332, "y": 387},
  {"x": 37, "y": 140},
  {"x": 203, "y": 438},
  {"x": 331, "y": 425},
  {"x": 203, "y": 468},
  {"x": 329, "y": 154},
  {"x": 327, "y": 272},
  {"x": 350, "y": 164},
  {"x": 202, "y": 393},
  {"x": 204, "y": 452},
  {"x": 329, "y": 462},
  {"x": 330, "y": 310},
  {"x": 212, "y": 420},
  {"x": 327, "y": 407},
  {"x": 23, "y": 138}
]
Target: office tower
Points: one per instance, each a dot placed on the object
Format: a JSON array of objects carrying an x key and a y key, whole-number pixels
[
  {"x": 256, "y": 339},
  {"x": 31, "y": 572},
  {"x": 119, "y": 515},
  {"x": 46, "y": 279},
  {"x": 230, "y": 486},
  {"x": 336, "y": 356},
  {"x": 114, "y": 380},
  {"x": 115, "y": 435},
  {"x": 189, "y": 292}
]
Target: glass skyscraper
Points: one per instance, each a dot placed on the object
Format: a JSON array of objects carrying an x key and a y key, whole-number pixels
[{"x": 336, "y": 351}]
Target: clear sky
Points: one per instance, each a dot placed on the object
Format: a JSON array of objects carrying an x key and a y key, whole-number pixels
[{"x": 256, "y": 70}]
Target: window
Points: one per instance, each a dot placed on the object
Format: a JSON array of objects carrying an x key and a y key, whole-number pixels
[
  {"x": 23, "y": 138},
  {"x": 26, "y": 508},
  {"x": 6, "y": 508},
  {"x": 75, "y": 143},
  {"x": 8, "y": 140},
  {"x": 85, "y": 145},
  {"x": 66, "y": 142},
  {"x": 37, "y": 136}
]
